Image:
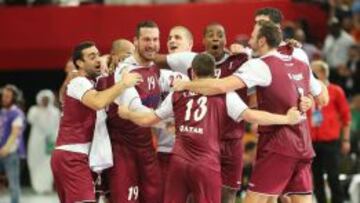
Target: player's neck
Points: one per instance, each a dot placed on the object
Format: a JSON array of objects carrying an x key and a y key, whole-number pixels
[
  {"x": 141, "y": 60},
  {"x": 203, "y": 78},
  {"x": 265, "y": 50}
]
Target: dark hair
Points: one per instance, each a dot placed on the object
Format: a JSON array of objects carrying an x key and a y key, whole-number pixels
[
  {"x": 77, "y": 52},
  {"x": 145, "y": 24},
  {"x": 203, "y": 65},
  {"x": 271, "y": 32},
  {"x": 210, "y": 25},
  {"x": 274, "y": 14},
  {"x": 17, "y": 95}
]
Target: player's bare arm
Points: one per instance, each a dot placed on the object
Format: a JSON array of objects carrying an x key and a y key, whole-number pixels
[
  {"x": 211, "y": 86},
  {"x": 141, "y": 118},
  {"x": 292, "y": 117},
  {"x": 99, "y": 99}
]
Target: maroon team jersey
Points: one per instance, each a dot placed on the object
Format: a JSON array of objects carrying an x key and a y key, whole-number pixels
[
  {"x": 199, "y": 121},
  {"x": 226, "y": 67},
  {"x": 77, "y": 123},
  {"x": 288, "y": 77},
  {"x": 149, "y": 91}
]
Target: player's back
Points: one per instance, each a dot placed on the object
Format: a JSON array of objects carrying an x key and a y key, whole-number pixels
[
  {"x": 290, "y": 80},
  {"x": 199, "y": 121}
]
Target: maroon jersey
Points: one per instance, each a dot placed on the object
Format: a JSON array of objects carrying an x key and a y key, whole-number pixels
[
  {"x": 78, "y": 121},
  {"x": 149, "y": 92},
  {"x": 290, "y": 79},
  {"x": 225, "y": 68},
  {"x": 199, "y": 122}
]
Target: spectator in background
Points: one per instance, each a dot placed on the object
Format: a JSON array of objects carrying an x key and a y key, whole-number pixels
[
  {"x": 356, "y": 21},
  {"x": 326, "y": 126},
  {"x": 310, "y": 49},
  {"x": 44, "y": 118},
  {"x": 12, "y": 125},
  {"x": 336, "y": 46},
  {"x": 349, "y": 75},
  {"x": 355, "y": 124}
]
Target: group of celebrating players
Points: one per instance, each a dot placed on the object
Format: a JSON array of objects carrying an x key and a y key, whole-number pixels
[{"x": 197, "y": 104}]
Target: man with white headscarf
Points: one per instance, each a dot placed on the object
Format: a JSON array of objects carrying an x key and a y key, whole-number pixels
[{"x": 44, "y": 119}]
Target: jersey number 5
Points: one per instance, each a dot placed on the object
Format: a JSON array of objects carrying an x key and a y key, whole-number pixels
[{"x": 199, "y": 112}]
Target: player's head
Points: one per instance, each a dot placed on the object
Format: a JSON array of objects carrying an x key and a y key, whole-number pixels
[
  {"x": 87, "y": 58},
  {"x": 121, "y": 49},
  {"x": 265, "y": 36},
  {"x": 214, "y": 39},
  {"x": 269, "y": 14},
  {"x": 10, "y": 95},
  {"x": 321, "y": 69},
  {"x": 147, "y": 42},
  {"x": 203, "y": 66},
  {"x": 180, "y": 39}
]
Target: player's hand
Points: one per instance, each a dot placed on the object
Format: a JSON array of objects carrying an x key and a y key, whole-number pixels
[
  {"x": 179, "y": 85},
  {"x": 130, "y": 79},
  {"x": 237, "y": 48},
  {"x": 123, "y": 112},
  {"x": 293, "y": 43},
  {"x": 294, "y": 116},
  {"x": 345, "y": 147},
  {"x": 305, "y": 103}
]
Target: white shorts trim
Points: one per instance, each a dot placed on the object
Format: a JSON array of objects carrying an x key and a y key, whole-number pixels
[
  {"x": 263, "y": 194},
  {"x": 298, "y": 193},
  {"x": 79, "y": 148}
]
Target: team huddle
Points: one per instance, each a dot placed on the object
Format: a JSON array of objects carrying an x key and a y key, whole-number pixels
[{"x": 197, "y": 105}]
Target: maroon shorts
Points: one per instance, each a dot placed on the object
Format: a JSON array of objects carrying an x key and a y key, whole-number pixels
[
  {"x": 231, "y": 162},
  {"x": 186, "y": 178},
  {"x": 164, "y": 163},
  {"x": 276, "y": 174},
  {"x": 135, "y": 176},
  {"x": 72, "y": 176}
]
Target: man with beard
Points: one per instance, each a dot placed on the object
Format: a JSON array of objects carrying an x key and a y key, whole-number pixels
[
  {"x": 69, "y": 161},
  {"x": 288, "y": 149},
  {"x": 136, "y": 176},
  {"x": 200, "y": 120}
]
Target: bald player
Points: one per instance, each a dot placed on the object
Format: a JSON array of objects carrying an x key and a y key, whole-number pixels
[{"x": 120, "y": 50}]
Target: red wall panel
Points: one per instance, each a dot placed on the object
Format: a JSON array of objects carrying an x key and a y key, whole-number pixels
[{"x": 42, "y": 37}]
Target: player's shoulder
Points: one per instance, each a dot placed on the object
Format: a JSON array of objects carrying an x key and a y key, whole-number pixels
[{"x": 79, "y": 80}]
